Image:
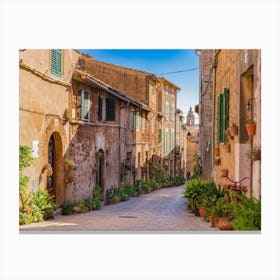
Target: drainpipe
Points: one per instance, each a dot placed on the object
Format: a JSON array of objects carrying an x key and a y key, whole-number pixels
[
  {"x": 175, "y": 132},
  {"x": 213, "y": 108}
]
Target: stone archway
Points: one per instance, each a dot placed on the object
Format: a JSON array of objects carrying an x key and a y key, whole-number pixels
[{"x": 55, "y": 183}]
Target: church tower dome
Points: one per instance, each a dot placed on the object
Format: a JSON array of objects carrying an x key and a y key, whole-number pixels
[{"x": 190, "y": 117}]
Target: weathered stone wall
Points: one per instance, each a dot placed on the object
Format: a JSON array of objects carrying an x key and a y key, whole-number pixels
[
  {"x": 232, "y": 66},
  {"x": 131, "y": 82},
  {"x": 114, "y": 138},
  {"x": 43, "y": 99},
  {"x": 206, "y": 111}
]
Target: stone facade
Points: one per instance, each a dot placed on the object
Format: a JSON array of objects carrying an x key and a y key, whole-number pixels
[
  {"x": 43, "y": 100},
  {"x": 206, "y": 111},
  {"x": 238, "y": 72},
  {"x": 66, "y": 105},
  {"x": 192, "y": 141}
]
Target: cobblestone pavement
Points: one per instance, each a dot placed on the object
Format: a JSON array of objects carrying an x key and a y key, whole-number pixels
[{"x": 161, "y": 210}]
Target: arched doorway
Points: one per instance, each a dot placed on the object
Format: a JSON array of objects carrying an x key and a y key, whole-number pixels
[
  {"x": 55, "y": 182},
  {"x": 100, "y": 171}
]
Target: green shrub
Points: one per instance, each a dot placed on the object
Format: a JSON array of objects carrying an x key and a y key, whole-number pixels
[
  {"x": 67, "y": 208},
  {"x": 138, "y": 186},
  {"x": 89, "y": 203},
  {"x": 129, "y": 189},
  {"x": 247, "y": 213},
  {"x": 97, "y": 205},
  {"x": 96, "y": 193},
  {"x": 82, "y": 204},
  {"x": 25, "y": 218},
  {"x": 124, "y": 197}
]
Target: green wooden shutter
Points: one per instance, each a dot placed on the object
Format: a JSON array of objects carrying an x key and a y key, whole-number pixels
[
  {"x": 56, "y": 61},
  {"x": 110, "y": 109},
  {"x": 226, "y": 106},
  {"x": 159, "y": 135},
  {"x": 221, "y": 119},
  {"x": 218, "y": 119}
]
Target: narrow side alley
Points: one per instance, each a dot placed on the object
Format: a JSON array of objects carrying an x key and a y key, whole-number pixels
[{"x": 162, "y": 210}]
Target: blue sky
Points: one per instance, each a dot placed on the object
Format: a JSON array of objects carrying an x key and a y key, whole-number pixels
[{"x": 159, "y": 62}]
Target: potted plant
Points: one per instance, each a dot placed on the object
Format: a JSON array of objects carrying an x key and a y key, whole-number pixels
[
  {"x": 216, "y": 152},
  {"x": 222, "y": 213},
  {"x": 226, "y": 147},
  {"x": 251, "y": 127},
  {"x": 254, "y": 152},
  {"x": 217, "y": 160},
  {"x": 233, "y": 129},
  {"x": 68, "y": 164}
]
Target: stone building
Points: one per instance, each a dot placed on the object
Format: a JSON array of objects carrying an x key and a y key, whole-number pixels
[
  {"x": 167, "y": 101},
  {"x": 181, "y": 145},
  {"x": 236, "y": 82},
  {"x": 110, "y": 122},
  {"x": 155, "y": 120},
  {"x": 206, "y": 111},
  {"x": 102, "y": 136},
  {"x": 192, "y": 147},
  {"x": 45, "y": 91}
]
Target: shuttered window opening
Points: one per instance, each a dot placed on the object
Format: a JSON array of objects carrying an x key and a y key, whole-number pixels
[
  {"x": 143, "y": 122},
  {"x": 172, "y": 139},
  {"x": 166, "y": 146},
  {"x": 223, "y": 116},
  {"x": 159, "y": 135},
  {"x": 56, "y": 61},
  {"x": 100, "y": 104},
  {"x": 167, "y": 111},
  {"x": 172, "y": 112},
  {"x": 85, "y": 106},
  {"x": 153, "y": 124},
  {"x": 137, "y": 120},
  {"x": 132, "y": 119},
  {"x": 110, "y": 109}
]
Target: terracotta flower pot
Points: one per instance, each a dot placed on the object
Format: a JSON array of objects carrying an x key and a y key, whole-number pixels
[
  {"x": 233, "y": 130},
  {"x": 201, "y": 210},
  {"x": 217, "y": 161},
  {"x": 226, "y": 147},
  {"x": 223, "y": 224},
  {"x": 213, "y": 220},
  {"x": 251, "y": 128},
  {"x": 216, "y": 152}
]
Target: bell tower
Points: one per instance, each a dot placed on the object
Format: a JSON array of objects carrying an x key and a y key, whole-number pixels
[{"x": 190, "y": 117}]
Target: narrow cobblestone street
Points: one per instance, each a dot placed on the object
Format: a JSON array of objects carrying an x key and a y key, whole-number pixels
[{"x": 162, "y": 210}]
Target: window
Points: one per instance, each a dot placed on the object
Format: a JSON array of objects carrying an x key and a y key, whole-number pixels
[
  {"x": 166, "y": 143},
  {"x": 143, "y": 122},
  {"x": 132, "y": 119},
  {"x": 84, "y": 105},
  {"x": 100, "y": 104},
  {"x": 223, "y": 115},
  {"x": 172, "y": 139},
  {"x": 137, "y": 120},
  {"x": 110, "y": 109},
  {"x": 153, "y": 124},
  {"x": 167, "y": 111},
  {"x": 56, "y": 61},
  {"x": 172, "y": 112},
  {"x": 159, "y": 135}
]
